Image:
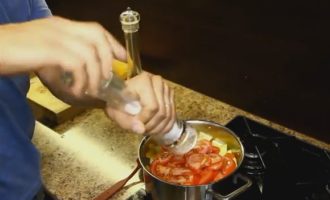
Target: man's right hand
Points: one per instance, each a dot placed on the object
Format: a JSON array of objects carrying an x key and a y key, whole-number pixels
[
  {"x": 85, "y": 50},
  {"x": 56, "y": 45}
]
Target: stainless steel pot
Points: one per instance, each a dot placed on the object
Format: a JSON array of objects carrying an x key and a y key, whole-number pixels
[{"x": 162, "y": 190}]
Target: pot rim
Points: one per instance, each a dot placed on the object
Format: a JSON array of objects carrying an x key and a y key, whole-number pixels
[{"x": 198, "y": 121}]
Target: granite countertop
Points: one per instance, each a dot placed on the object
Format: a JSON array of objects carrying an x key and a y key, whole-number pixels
[{"x": 85, "y": 156}]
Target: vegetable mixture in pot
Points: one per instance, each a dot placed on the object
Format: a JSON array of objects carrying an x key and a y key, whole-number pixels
[{"x": 207, "y": 162}]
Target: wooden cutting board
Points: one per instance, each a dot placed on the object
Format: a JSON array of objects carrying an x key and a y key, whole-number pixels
[
  {"x": 51, "y": 111},
  {"x": 48, "y": 109}
]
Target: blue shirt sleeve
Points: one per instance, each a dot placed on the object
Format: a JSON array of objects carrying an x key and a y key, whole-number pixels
[{"x": 39, "y": 9}]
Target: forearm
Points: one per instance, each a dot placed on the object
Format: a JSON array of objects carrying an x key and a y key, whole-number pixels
[
  {"x": 51, "y": 78},
  {"x": 11, "y": 56}
]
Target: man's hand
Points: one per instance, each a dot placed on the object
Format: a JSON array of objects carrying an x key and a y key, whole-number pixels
[
  {"x": 56, "y": 45},
  {"x": 53, "y": 46},
  {"x": 158, "y": 109}
]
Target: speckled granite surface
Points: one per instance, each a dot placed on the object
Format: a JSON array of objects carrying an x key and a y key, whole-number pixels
[{"x": 85, "y": 156}]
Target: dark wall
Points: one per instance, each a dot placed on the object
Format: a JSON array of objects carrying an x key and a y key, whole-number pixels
[{"x": 270, "y": 58}]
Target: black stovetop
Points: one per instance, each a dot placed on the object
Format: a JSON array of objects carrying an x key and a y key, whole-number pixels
[{"x": 280, "y": 166}]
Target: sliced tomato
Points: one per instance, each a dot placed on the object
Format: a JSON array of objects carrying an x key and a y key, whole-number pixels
[
  {"x": 204, "y": 146},
  {"x": 162, "y": 171},
  {"x": 206, "y": 176},
  {"x": 229, "y": 166},
  {"x": 218, "y": 176},
  {"x": 193, "y": 179},
  {"x": 176, "y": 171},
  {"x": 153, "y": 167},
  {"x": 193, "y": 151},
  {"x": 216, "y": 166},
  {"x": 198, "y": 161},
  {"x": 180, "y": 180},
  {"x": 177, "y": 160},
  {"x": 196, "y": 179},
  {"x": 164, "y": 157},
  {"x": 215, "y": 157},
  {"x": 230, "y": 155},
  {"x": 215, "y": 150}
]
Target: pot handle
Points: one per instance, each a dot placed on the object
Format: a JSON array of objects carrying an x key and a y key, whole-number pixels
[
  {"x": 117, "y": 186},
  {"x": 235, "y": 192}
]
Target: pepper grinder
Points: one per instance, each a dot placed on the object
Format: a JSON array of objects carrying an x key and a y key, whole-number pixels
[{"x": 182, "y": 137}]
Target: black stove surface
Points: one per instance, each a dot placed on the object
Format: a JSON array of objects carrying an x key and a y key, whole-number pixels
[{"x": 280, "y": 166}]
